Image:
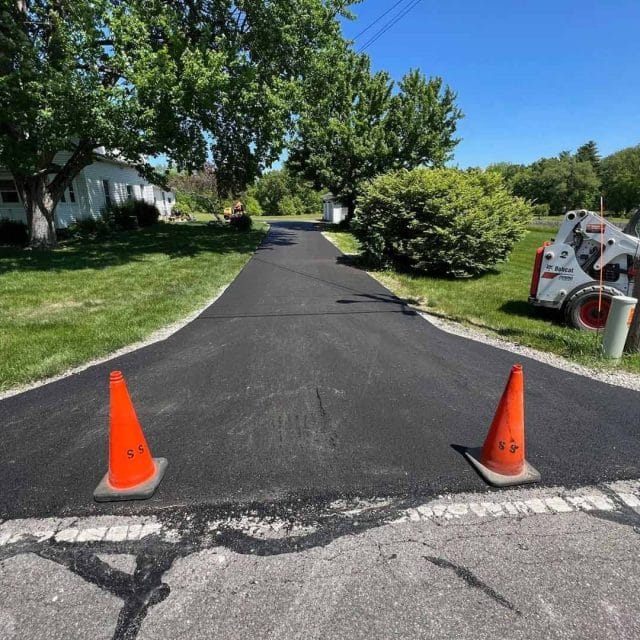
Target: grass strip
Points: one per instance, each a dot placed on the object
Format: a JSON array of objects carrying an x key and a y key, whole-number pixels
[
  {"x": 496, "y": 303},
  {"x": 89, "y": 298}
]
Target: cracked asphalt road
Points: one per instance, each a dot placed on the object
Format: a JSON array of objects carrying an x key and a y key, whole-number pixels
[
  {"x": 308, "y": 382},
  {"x": 555, "y": 575}
]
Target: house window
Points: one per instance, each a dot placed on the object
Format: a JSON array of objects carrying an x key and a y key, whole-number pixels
[
  {"x": 72, "y": 195},
  {"x": 107, "y": 193},
  {"x": 8, "y": 191},
  {"x": 129, "y": 192},
  {"x": 142, "y": 192}
]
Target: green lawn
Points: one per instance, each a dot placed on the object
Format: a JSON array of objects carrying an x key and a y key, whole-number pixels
[
  {"x": 496, "y": 303},
  {"x": 89, "y": 298}
]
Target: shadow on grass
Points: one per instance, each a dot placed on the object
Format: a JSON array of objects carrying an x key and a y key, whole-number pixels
[
  {"x": 361, "y": 262},
  {"x": 525, "y": 309},
  {"x": 175, "y": 241}
]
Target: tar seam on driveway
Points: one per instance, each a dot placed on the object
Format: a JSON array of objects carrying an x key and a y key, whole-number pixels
[{"x": 306, "y": 378}]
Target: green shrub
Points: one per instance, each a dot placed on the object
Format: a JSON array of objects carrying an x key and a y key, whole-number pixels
[
  {"x": 146, "y": 213},
  {"x": 131, "y": 214},
  {"x": 13, "y": 232},
  {"x": 439, "y": 221},
  {"x": 193, "y": 203},
  {"x": 251, "y": 204},
  {"x": 540, "y": 210},
  {"x": 89, "y": 227},
  {"x": 291, "y": 206},
  {"x": 121, "y": 217},
  {"x": 241, "y": 222},
  {"x": 280, "y": 193}
]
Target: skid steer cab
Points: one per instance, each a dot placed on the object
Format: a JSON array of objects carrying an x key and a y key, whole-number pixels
[{"x": 566, "y": 272}]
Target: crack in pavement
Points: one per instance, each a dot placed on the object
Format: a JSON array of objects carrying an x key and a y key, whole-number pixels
[
  {"x": 298, "y": 526},
  {"x": 139, "y": 591},
  {"x": 624, "y": 514},
  {"x": 473, "y": 581},
  {"x": 322, "y": 409}
]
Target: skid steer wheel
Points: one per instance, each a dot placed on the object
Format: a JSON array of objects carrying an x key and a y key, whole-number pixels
[{"x": 585, "y": 311}]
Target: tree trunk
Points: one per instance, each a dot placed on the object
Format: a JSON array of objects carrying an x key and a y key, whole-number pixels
[
  {"x": 632, "y": 344},
  {"x": 351, "y": 210},
  {"x": 39, "y": 207},
  {"x": 40, "y": 195}
]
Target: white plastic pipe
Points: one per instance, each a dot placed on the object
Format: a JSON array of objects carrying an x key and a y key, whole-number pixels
[{"x": 617, "y": 327}]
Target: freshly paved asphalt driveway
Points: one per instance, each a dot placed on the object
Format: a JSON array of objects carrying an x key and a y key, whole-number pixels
[{"x": 306, "y": 378}]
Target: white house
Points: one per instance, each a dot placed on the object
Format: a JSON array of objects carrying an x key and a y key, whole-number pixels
[
  {"x": 105, "y": 181},
  {"x": 332, "y": 210}
]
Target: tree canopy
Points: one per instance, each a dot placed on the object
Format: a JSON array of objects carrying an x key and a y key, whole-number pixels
[
  {"x": 588, "y": 152},
  {"x": 187, "y": 79},
  {"x": 561, "y": 183},
  {"x": 621, "y": 179},
  {"x": 353, "y": 126},
  {"x": 574, "y": 181}
]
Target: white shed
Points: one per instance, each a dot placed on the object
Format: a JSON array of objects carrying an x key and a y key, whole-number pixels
[
  {"x": 332, "y": 209},
  {"x": 107, "y": 180}
]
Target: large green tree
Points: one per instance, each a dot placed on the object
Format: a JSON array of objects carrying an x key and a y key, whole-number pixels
[
  {"x": 588, "y": 152},
  {"x": 352, "y": 126},
  {"x": 563, "y": 183},
  {"x": 187, "y": 79},
  {"x": 621, "y": 179}
]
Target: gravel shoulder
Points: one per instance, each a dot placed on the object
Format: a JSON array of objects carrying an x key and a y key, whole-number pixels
[{"x": 619, "y": 378}]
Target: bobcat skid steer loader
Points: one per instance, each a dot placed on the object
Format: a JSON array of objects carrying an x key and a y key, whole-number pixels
[{"x": 566, "y": 272}]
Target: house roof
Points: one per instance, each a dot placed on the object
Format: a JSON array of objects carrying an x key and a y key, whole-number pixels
[{"x": 100, "y": 155}]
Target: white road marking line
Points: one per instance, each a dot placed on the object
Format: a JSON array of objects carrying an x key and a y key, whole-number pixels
[
  {"x": 558, "y": 505},
  {"x": 580, "y": 502},
  {"x": 629, "y": 499},
  {"x": 67, "y": 535},
  {"x": 602, "y": 503},
  {"x": 536, "y": 505},
  {"x": 550, "y": 502},
  {"x": 94, "y": 534},
  {"x": 117, "y": 533}
]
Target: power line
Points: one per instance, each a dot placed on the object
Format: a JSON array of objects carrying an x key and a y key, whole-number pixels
[
  {"x": 378, "y": 19},
  {"x": 388, "y": 26}
]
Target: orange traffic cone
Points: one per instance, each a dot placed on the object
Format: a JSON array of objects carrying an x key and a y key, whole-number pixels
[
  {"x": 501, "y": 461},
  {"x": 133, "y": 474}
]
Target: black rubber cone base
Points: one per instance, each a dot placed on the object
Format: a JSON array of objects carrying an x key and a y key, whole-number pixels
[
  {"x": 106, "y": 493},
  {"x": 528, "y": 475}
]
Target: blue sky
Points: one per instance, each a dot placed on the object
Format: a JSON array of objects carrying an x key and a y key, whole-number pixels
[{"x": 533, "y": 77}]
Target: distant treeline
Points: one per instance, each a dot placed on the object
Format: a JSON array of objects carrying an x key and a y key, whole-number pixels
[{"x": 577, "y": 180}]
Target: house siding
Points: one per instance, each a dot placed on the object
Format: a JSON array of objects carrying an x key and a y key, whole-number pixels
[{"x": 89, "y": 192}]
